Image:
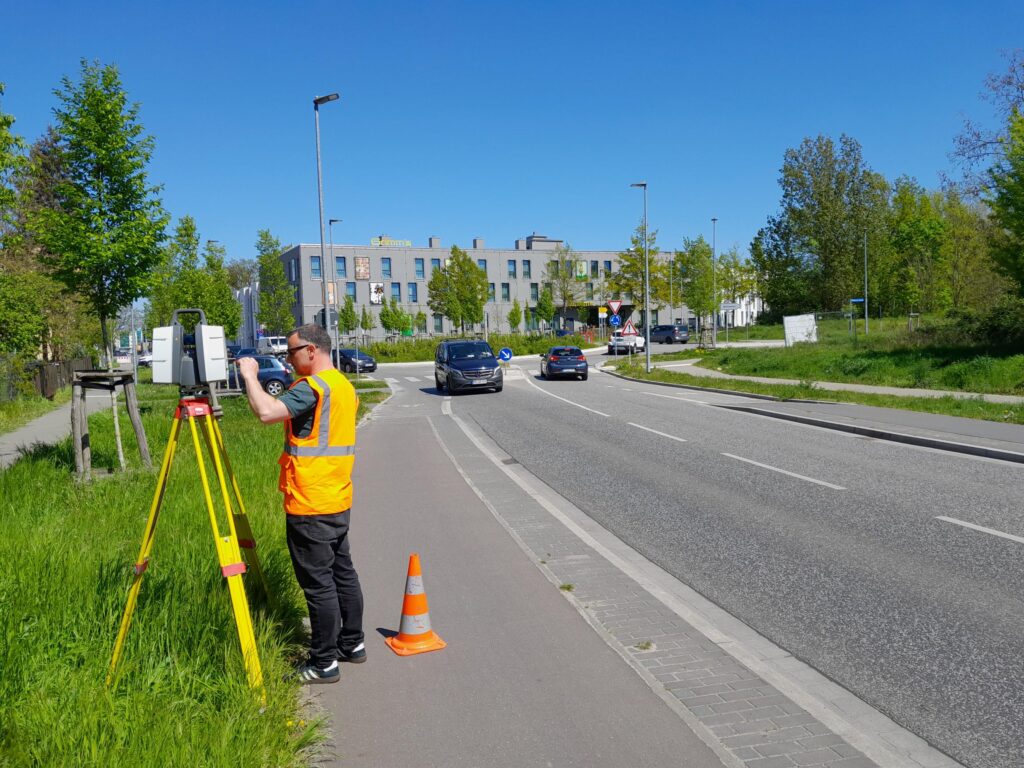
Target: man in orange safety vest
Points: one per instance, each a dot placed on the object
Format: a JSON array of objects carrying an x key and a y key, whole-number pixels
[{"x": 319, "y": 416}]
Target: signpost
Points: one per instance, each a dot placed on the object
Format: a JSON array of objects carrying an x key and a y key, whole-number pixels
[
  {"x": 728, "y": 306},
  {"x": 614, "y": 305},
  {"x": 505, "y": 354},
  {"x": 629, "y": 330},
  {"x": 615, "y": 321}
]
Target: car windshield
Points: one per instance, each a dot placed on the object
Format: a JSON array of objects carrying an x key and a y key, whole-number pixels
[{"x": 480, "y": 351}]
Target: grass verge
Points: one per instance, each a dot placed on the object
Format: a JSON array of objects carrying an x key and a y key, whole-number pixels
[
  {"x": 180, "y": 697},
  {"x": 20, "y": 411},
  {"x": 971, "y": 408}
]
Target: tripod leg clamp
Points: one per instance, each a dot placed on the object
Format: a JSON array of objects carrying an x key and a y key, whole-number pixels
[
  {"x": 232, "y": 570},
  {"x": 247, "y": 544},
  {"x": 140, "y": 568}
]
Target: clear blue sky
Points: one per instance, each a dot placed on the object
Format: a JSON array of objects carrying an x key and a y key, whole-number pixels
[{"x": 494, "y": 120}]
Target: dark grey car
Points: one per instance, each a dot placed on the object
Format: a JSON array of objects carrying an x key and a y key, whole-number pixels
[
  {"x": 563, "y": 361},
  {"x": 463, "y": 364},
  {"x": 667, "y": 334}
]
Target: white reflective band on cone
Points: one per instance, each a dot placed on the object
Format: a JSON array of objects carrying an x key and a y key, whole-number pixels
[
  {"x": 415, "y": 625},
  {"x": 414, "y": 585}
]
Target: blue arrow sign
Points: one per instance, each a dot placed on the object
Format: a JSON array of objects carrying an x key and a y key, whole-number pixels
[
  {"x": 856, "y": 301},
  {"x": 615, "y": 321},
  {"x": 505, "y": 354}
]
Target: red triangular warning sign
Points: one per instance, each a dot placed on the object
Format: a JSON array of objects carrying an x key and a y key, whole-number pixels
[{"x": 629, "y": 329}]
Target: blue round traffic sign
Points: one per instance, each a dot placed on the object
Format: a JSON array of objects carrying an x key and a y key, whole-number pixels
[
  {"x": 505, "y": 354},
  {"x": 615, "y": 321}
]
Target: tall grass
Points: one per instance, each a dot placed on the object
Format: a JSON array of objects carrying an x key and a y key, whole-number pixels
[
  {"x": 180, "y": 697},
  {"x": 23, "y": 409}
]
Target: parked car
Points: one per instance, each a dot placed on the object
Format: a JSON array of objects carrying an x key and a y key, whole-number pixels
[
  {"x": 619, "y": 343},
  {"x": 145, "y": 359},
  {"x": 273, "y": 375},
  {"x": 463, "y": 364},
  {"x": 351, "y": 360},
  {"x": 272, "y": 345},
  {"x": 563, "y": 332},
  {"x": 668, "y": 334},
  {"x": 563, "y": 361},
  {"x": 235, "y": 352}
]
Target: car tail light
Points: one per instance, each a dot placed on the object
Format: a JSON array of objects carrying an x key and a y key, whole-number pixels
[
  {"x": 581, "y": 357},
  {"x": 553, "y": 358}
]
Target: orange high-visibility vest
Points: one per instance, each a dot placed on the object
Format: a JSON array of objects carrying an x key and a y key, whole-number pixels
[{"x": 316, "y": 471}]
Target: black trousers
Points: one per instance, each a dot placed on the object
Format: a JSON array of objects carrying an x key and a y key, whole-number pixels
[{"x": 323, "y": 568}]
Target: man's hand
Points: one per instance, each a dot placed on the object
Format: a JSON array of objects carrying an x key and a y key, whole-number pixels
[{"x": 248, "y": 368}]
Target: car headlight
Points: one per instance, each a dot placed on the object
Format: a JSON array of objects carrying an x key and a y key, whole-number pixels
[{"x": 457, "y": 373}]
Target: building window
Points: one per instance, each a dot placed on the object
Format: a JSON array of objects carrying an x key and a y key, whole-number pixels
[
  {"x": 534, "y": 291},
  {"x": 607, "y": 267},
  {"x": 434, "y": 264},
  {"x": 314, "y": 268},
  {"x": 385, "y": 266},
  {"x": 350, "y": 290},
  {"x": 550, "y": 288},
  {"x": 593, "y": 270},
  {"x": 413, "y": 294},
  {"x": 504, "y": 292},
  {"x": 490, "y": 291},
  {"x": 526, "y": 269},
  {"x": 396, "y": 291},
  {"x": 292, "y": 269},
  {"x": 512, "y": 268},
  {"x": 340, "y": 268},
  {"x": 482, "y": 263},
  {"x": 553, "y": 268},
  {"x": 590, "y": 290},
  {"x": 438, "y": 323},
  {"x": 419, "y": 269}
]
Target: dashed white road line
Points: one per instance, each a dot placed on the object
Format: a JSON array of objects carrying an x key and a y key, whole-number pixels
[
  {"x": 564, "y": 400},
  {"x": 785, "y": 472},
  {"x": 981, "y": 528},
  {"x": 676, "y": 397},
  {"x": 412, "y": 378},
  {"x": 648, "y": 429}
]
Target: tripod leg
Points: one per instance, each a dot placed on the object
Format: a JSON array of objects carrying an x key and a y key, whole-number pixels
[
  {"x": 230, "y": 558},
  {"x": 142, "y": 561},
  {"x": 246, "y": 540}
]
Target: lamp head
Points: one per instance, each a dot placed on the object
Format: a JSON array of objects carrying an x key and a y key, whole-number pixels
[
  {"x": 640, "y": 184},
  {"x": 318, "y": 100}
]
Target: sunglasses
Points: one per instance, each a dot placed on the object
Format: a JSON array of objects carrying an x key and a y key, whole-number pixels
[{"x": 293, "y": 350}]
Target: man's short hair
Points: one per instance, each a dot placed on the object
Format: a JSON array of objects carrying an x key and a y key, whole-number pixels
[{"x": 314, "y": 334}]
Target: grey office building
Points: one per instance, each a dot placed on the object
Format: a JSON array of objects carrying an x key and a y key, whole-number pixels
[{"x": 389, "y": 268}]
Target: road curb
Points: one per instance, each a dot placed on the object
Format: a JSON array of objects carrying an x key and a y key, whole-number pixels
[{"x": 880, "y": 434}]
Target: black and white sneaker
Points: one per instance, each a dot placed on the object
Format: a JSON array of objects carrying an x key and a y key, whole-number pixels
[
  {"x": 356, "y": 656},
  {"x": 308, "y": 674}
]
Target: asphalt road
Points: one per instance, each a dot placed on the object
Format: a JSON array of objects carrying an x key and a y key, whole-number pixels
[{"x": 827, "y": 543}]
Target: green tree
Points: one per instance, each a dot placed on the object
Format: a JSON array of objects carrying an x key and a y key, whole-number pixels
[
  {"x": 277, "y": 296},
  {"x": 515, "y": 316},
  {"x": 1006, "y": 199},
  {"x": 242, "y": 273},
  {"x": 347, "y": 320},
  {"x": 630, "y": 277},
  {"x": 830, "y": 198},
  {"x": 367, "y": 322},
  {"x": 458, "y": 290},
  {"x": 917, "y": 234},
  {"x": 421, "y": 321},
  {"x": 973, "y": 277},
  {"x": 697, "y": 281},
  {"x": 218, "y": 298},
  {"x": 566, "y": 289},
  {"x": 545, "y": 309},
  {"x": 784, "y": 274},
  {"x": 387, "y": 317},
  {"x": 103, "y": 238},
  {"x": 12, "y": 160}
]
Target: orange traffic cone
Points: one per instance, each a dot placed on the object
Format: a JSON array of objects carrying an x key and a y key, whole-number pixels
[{"x": 415, "y": 634}]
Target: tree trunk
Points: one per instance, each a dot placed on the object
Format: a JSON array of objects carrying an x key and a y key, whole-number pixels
[{"x": 109, "y": 352}]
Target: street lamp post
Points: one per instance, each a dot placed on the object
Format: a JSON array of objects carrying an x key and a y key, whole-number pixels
[
  {"x": 647, "y": 283},
  {"x": 334, "y": 281},
  {"x": 714, "y": 280},
  {"x": 317, "y": 101}
]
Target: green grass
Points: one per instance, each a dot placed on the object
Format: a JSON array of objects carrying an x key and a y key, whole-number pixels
[
  {"x": 972, "y": 408},
  {"x": 181, "y": 696},
  {"x": 20, "y": 411}
]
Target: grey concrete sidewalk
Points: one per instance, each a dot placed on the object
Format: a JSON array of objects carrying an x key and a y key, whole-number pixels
[{"x": 49, "y": 429}]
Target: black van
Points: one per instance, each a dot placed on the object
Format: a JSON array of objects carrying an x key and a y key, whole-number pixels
[{"x": 463, "y": 364}]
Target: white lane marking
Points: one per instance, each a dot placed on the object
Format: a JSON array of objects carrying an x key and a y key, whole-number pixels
[
  {"x": 675, "y": 397},
  {"x": 564, "y": 400},
  {"x": 687, "y": 364},
  {"x": 648, "y": 429},
  {"x": 785, "y": 472},
  {"x": 446, "y": 405},
  {"x": 412, "y": 378},
  {"x": 981, "y": 528},
  {"x": 389, "y": 380}
]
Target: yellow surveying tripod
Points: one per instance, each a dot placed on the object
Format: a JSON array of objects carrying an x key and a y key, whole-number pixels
[{"x": 200, "y": 416}]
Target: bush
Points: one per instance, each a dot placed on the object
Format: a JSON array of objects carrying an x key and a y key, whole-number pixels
[{"x": 1003, "y": 323}]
